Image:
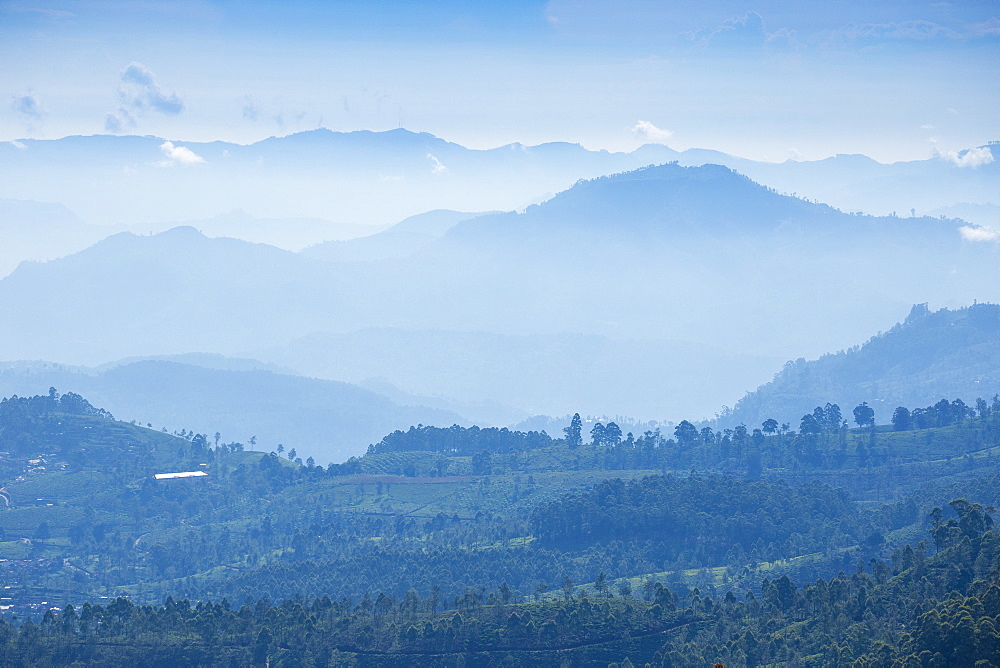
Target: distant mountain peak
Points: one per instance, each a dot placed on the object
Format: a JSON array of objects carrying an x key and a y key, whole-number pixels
[
  {"x": 664, "y": 201},
  {"x": 181, "y": 230}
]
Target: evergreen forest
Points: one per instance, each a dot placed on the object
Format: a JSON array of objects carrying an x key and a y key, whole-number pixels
[{"x": 837, "y": 541}]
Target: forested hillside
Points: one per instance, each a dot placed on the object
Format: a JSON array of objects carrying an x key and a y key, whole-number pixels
[
  {"x": 501, "y": 546},
  {"x": 945, "y": 353},
  {"x": 918, "y": 610}
]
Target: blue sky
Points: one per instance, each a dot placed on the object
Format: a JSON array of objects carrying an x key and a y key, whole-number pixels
[{"x": 767, "y": 80}]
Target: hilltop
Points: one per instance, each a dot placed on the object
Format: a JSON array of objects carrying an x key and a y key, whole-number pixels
[{"x": 945, "y": 353}]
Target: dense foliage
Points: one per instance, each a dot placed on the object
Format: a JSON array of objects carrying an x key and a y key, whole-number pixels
[
  {"x": 29, "y": 424},
  {"x": 500, "y": 547},
  {"x": 457, "y": 440},
  {"x": 920, "y": 611},
  {"x": 708, "y": 516}
]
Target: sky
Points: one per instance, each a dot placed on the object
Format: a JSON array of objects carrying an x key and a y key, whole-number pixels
[{"x": 768, "y": 80}]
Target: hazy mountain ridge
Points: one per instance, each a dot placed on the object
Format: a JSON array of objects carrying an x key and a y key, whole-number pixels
[
  {"x": 402, "y": 239},
  {"x": 40, "y": 231},
  {"x": 659, "y": 203},
  {"x": 947, "y": 354},
  {"x": 984, "y": 215},
  {"x": 328, "y": 420},
  {"x": 165, "y": 291},
  {"x": 666, "y": 254},
  {"x": 362, "y": 176},
  {"x": 382, "y": 177},
  {"x": 671, "y": 201},
  {"x": 552, "y": 374},
  {"x": 292, "y": 234}
]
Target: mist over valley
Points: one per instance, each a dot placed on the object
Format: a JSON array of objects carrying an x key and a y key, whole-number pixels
[{"x": 540, "y": 333}]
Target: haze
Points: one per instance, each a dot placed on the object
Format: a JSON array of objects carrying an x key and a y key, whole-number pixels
[{"x": 390, "y": 196}]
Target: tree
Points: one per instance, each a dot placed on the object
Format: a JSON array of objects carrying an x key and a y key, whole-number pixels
[
  {"x": 482, "y": 463},
  {"x": 597, "y": 434},
  {"x": 809, "y": 426},
  {"x": 960, "y": 411},
  {"x": 686, "y": 434},
  {"x": 574, "y": 439},
  {"x": 261, "y": 645},
  {"x": 612, "y": 434},
  {"x": 601, "y": 584},
  {"x": 769, "y": 426},
  {"x": 973, "y": 519},
  {"x": 864, "y": 415},
  {"x": 833, "y": 416},
  {"x": 901, "y": 420},
  {"x": 540, "y": 590},
  {"x": 42, "y": 532},
  {"x": 820, "y": 417}
]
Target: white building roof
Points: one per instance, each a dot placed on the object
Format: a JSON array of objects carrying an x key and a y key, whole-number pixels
[{"x": 183, "y": 474}]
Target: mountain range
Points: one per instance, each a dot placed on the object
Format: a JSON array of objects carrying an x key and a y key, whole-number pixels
[
  {"x": 694, "y": 266},
  {"x": 378, "y": 178}
]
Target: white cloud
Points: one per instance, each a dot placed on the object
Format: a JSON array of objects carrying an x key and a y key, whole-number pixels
[
  {"x": 27, "y": 105},
  {"x": 178, "y": 155},
  {"x": 979, "y": 233},
  {"x": 437, "y": 167},
  {"x": 251, "y": 109},
  {"x": 651, "y": 134},
  {"x": 140, "y": 91},
  {"x": 973, "y": 157},
  {"x": 739, "y": 32},
  {"x": 912, "y": 30},
  {"x": 989, "y": 28},
  {"x": 137, "y": 93},
  {"x": 17, "y": 144},
  {"x": 926, "y": 126},
  {"x": 52, "y": 13},
  {"x": 119, "y": 121}
]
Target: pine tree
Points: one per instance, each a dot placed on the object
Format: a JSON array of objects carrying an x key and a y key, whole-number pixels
[{"x": 574, "y": 438}]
